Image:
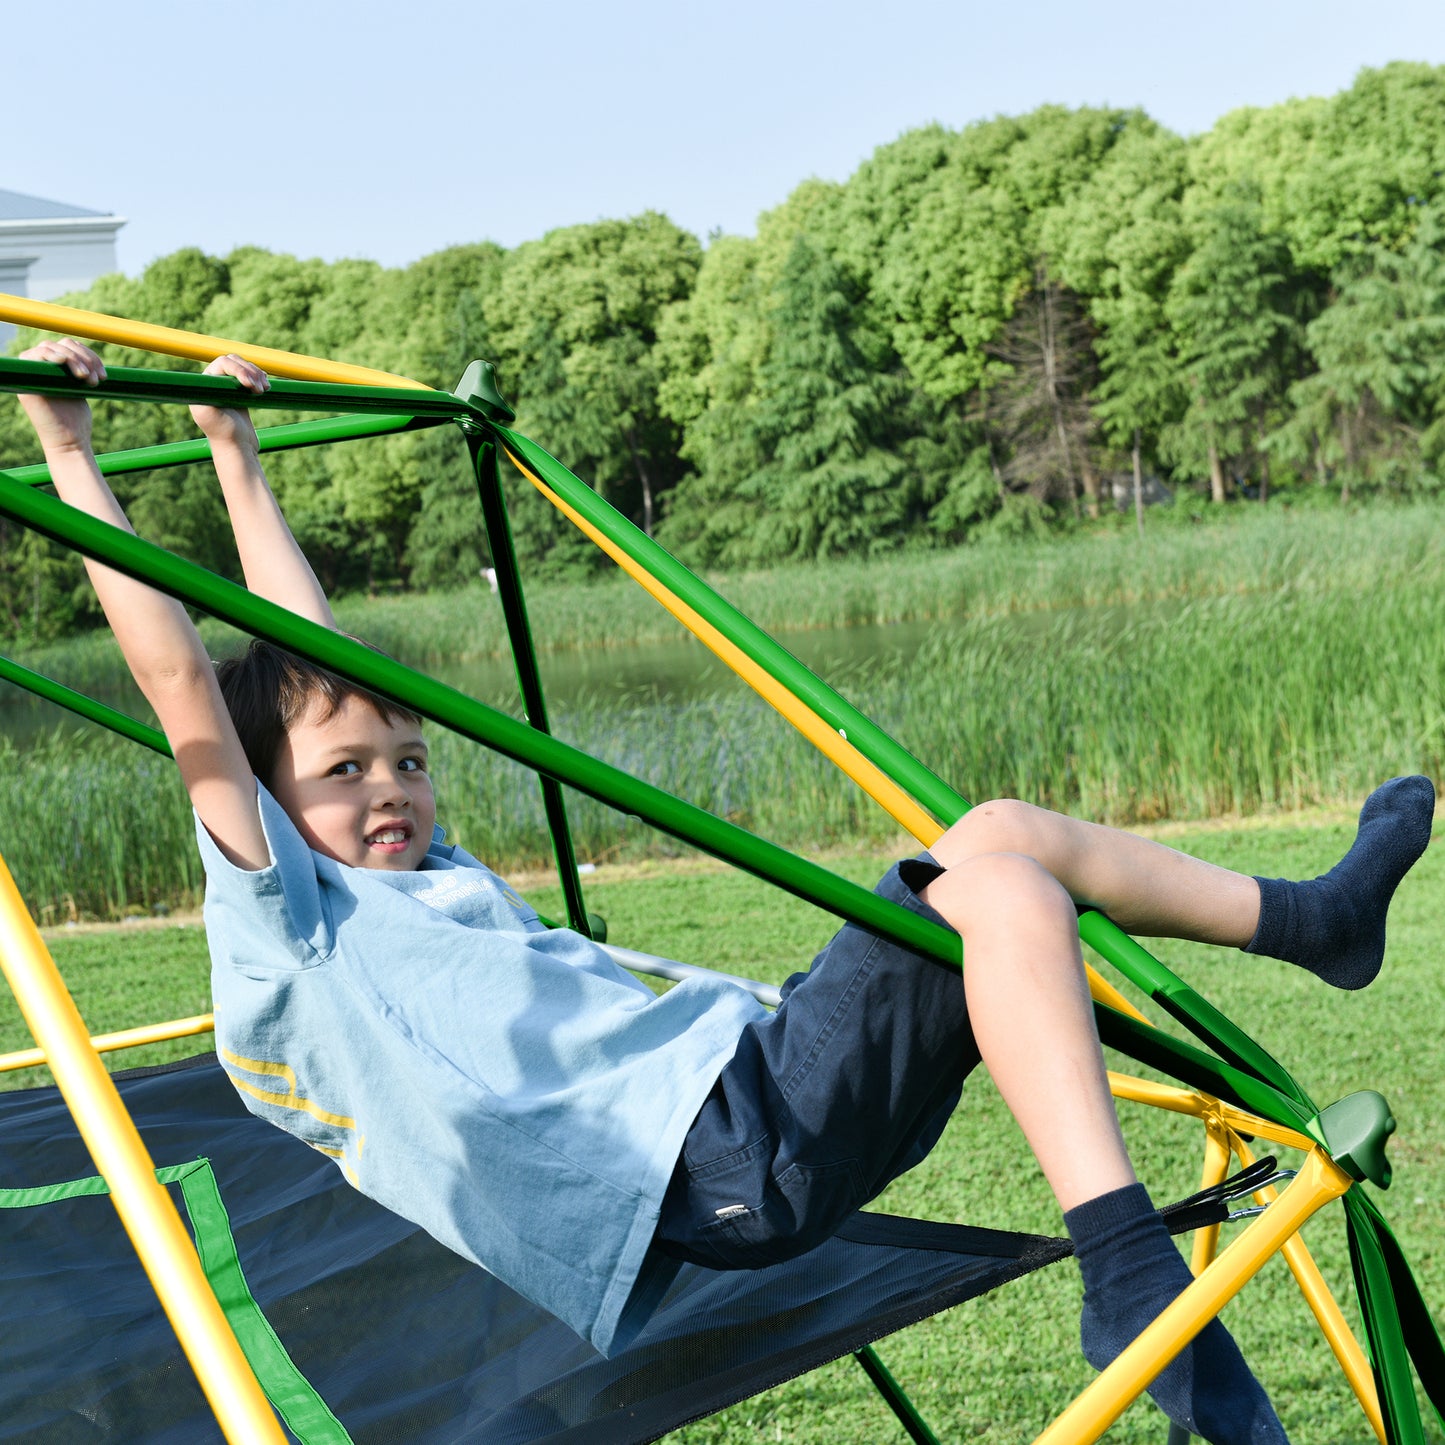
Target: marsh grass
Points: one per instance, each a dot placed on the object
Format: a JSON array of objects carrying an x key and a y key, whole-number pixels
[
  {"x": 1239, "y": 553},
  {"x": 1229, "y": 554},
  {"x": 1271, "y": 664}
]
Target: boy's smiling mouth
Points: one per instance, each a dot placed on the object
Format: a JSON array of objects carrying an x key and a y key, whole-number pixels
[{"x": 391, "y": 839}]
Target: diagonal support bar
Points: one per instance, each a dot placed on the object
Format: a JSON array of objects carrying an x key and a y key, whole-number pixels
[
  {"x": 94, "y": 326},
  {"x": 83, "y": 706},
  {"x": 269, "y": 439},
  {"x": 483, "y": 452},
  {"x": 446, "y": 705},
  {"x": 855, "y": 744},
  {"x": 145, "y": 1209},
  {"x": 1318, "y": 1182}
]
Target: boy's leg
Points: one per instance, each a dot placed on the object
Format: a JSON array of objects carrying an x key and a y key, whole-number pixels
[
  {"x": 1333, "y": 925},
  {"x": 1028, "y": 1004},
  {"x": 1143, "y": 886}
]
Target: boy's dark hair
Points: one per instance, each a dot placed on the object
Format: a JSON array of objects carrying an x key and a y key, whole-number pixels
[{"x": 267, "y": 690}]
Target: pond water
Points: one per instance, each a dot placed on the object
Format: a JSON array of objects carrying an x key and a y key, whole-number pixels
[
  {"x": 673, "y": 671},
  {"x": 681, "y": 669}
]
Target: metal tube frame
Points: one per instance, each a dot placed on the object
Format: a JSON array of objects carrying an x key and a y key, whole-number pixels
[
  {"x": 857, "y": 745},
  {"x": 145, "y": 1209},
  {"x": 270, "y": 439},
  {"x": 124, "y": 1039},
  {"x": 483, "y": 452}
]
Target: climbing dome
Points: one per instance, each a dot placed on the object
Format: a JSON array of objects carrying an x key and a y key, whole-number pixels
[{"x": 293, "y": 1296}]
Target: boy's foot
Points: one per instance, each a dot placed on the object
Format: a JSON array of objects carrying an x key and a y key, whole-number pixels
[
  {"x": 1132, "y": 1271},
  {"x": 1335, "y": 925}
]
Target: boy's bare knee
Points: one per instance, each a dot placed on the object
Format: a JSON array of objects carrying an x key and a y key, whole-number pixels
[
  {"x": 1002, "y": 825},
  {"x": 1002, "y": 887}
]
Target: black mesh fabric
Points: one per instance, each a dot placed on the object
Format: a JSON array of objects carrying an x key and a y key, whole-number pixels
[{"x": 403, "y": 1339}]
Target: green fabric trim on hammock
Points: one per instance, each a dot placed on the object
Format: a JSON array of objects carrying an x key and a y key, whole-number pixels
[{"x": 304, "y": 1411}]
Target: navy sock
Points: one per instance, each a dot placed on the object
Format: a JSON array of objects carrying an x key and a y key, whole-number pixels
[
  {"x": 1335, "y": 925},
  {"x": 1131, "y": 1272}
]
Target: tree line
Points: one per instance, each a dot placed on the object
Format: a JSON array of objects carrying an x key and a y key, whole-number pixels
[{"x": 1000, "y": 327}]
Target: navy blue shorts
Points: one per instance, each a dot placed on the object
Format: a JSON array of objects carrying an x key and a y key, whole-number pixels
[{"x": 826, "y": 1101}]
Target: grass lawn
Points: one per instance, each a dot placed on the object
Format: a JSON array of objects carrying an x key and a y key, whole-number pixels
[{"x": 998, "y": 1369}]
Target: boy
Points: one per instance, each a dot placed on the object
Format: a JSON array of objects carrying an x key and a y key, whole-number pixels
[{"x": 389, "y": 1000}]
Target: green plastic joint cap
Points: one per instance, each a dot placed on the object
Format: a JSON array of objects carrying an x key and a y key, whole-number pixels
[
  {"x": 598, "y": 924},
  {"x": 1355, "y": 1131},
  {"x": 478, "y": 387}
]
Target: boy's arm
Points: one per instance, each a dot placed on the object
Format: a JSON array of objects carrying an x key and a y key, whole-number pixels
[
  {"x": 274, "y": 566},
  {"x": 156, "y": 637}
]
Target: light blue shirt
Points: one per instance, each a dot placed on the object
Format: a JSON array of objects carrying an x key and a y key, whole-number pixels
[{"x": 506, "y": 1086}]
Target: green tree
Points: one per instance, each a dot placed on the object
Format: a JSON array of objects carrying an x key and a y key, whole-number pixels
[
  {"x": 946, "y": 230},
  {"x": 1231, "y": 309},
  {"x": 713, "y": 346},
  {"x": 1373, "y": 415},
  {"x": 1339, "y": 174},
  {"x": 43, "y": 592},
  {"x": 592, "y": 298},
  {"x": 1038, "y": 409},
  {"x": 447, "y": 544},
  {"x": 829, "y": 431},
  {"x": 1119, "y": 242}
]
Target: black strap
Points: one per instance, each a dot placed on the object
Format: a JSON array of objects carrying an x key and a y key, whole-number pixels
[
  {"x": 1211, "y": 1206},
  {"x": 1033, "y": 1251}
]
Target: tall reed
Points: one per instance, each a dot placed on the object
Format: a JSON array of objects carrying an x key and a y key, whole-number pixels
[
  {"x": 94, "y": 826},
  {"x": 1164, "y": 710},
  {"x": 1237, "y": 553}
]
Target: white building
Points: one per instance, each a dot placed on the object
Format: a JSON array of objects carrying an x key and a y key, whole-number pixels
[{"x": 48, "y": 248}]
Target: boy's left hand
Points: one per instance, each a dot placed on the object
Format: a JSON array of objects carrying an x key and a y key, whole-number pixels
[
  {"x": 229, "y": 424},
  {"x": 62, "y": 424}
]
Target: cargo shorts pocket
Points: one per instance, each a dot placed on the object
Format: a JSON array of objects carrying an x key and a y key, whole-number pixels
[{"x": 802, "y": 1206}]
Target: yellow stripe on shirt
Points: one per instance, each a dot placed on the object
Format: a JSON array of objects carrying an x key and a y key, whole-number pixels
[{"x": 291, "y": 1099}]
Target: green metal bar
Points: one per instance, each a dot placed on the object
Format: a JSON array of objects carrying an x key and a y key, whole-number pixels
[
  {"x": 129, "y": 383},
  {"x": 483, "y": 449},
  {"x": 1417, "y": 1325},
  {"x": 271, "y": 439},
  {"x": 1388, "y": 1355},
  {"x": 1197, "y": 1014},
  {"x": 1191, "y": 1065},
  {"x": 692, "y": 824},
  {"x": 875, "y": 744},
  {"x": 83, "y": 706},
  {"x": 893, "y": 1393},
  {"x": 1134, "y": 962},
  {"x": 473, "y": 719}
]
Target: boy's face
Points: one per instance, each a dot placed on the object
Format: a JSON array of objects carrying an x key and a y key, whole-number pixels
[{"x": 357, "y": 788}]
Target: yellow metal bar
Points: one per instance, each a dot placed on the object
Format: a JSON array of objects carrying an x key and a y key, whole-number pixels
[
  {"x": 125, "y": 1039},
  {"x": 47, "y": 316},
  {"x": 881, "y": 788},
  {"x": 144, "y": 1206},
  {"x": 1319, "y": 1181},
  {"x": 828, "y": 740},
  {"x": 1216, "y": 1170},
  {"x": 1159, "y": 1096},
  {"x": 1102, "y": 991},
  {"x": 1326, "y": 1310},
  {"x": 1202, "y": 1106},
  {"x": 1225, "y": 1123}
]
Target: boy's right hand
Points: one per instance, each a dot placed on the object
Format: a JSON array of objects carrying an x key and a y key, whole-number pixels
[
  {"x": 231, "y": 424},
  {"x": 63, "y": 425}
]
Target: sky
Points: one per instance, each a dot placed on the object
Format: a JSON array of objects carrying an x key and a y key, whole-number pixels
[{"x": 389, "y": 131}]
